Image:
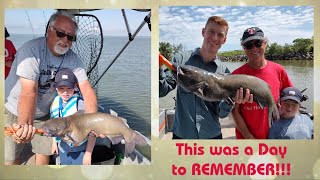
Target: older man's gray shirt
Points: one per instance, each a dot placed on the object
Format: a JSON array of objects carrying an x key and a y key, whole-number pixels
[{"x": 34, "y": 61}]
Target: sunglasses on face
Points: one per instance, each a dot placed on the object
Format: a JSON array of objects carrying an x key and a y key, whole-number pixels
[
  {"x": 62, "y": 35},
  {"x": 250, "y": 44}
]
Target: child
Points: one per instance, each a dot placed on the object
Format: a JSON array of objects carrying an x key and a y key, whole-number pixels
[
  {"x": 65, "y": 104},
  {"x": 292, "y": 124}
]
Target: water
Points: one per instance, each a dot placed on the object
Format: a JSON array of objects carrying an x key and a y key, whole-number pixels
[
  {"x": 126, "y": 87},
  {"x": 300, "y": 73}
]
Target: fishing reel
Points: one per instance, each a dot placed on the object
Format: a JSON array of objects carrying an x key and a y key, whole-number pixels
[
  {"x": 304, "y": 97},
  {"x": 303, "y": 109}
]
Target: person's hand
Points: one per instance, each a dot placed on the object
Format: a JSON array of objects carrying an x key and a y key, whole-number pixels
[
  {"x": 54, "y": 149},
  {"x": 24, "y": 134},
  {"x": 161, "y": 74},
  {"x": 96, "y": 135},
  {"x": 174, "y": 73},
  {"x": 239, "y": 99},
  {"x": 86, "y": 158}
]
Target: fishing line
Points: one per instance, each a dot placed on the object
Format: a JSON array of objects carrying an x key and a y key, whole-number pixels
[
  {"x": 45, "y": 19},
  {"x": 30, "y": 23}
]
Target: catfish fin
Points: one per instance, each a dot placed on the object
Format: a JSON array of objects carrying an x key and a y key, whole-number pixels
[
  {"x": 137, "y": 138},
  {"x": 129, "y": 147},
  {"x": 200, "y": 90},
  {"x": 260, "y": 104},
  {"x": 115, "y": 139},
  {"x": 141, "y": 140},
  {"x": 203, "y": 85},
  {"x": 275, "y": 113}
]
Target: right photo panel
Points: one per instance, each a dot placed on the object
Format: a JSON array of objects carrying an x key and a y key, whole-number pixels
[{"x": 236, "y": 72}]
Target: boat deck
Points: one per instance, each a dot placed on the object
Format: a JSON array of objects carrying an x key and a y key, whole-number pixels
[{"x": 227, "y": 126}]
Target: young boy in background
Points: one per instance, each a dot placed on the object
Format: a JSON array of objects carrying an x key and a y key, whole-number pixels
[
  {"x": 292, "y": 124},
  {"x": 65, "y": 104}
]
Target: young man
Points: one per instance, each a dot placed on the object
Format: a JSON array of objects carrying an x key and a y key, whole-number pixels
[
  {"x": 65, "y": 104},
  {"x": 29, "y": 91},
  {"x": 194, "y": 117},
  {"x": 292, "y": 124},
  {"x": 252, "y": 122}
]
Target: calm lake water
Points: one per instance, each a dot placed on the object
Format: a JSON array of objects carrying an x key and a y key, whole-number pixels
[
  {"x": 126, "y": 87},
  {"x": 300, "y": 73}
]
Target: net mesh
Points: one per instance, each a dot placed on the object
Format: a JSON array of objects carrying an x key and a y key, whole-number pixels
[{"x": 89, "y": 45}]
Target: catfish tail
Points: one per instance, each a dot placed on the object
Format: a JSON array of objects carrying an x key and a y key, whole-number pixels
[
  {"x": 131, "y": 141},
  {"x": 273, "y": 114}
]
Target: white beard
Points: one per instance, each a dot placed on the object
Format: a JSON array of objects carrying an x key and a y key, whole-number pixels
[{"x": 60, "y": 50}]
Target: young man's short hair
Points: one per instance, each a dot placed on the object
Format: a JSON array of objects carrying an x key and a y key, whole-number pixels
[{"x": 218, "y": 20}]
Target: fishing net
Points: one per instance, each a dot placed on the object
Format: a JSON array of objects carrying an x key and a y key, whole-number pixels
[{"x": 89, "y": 45}]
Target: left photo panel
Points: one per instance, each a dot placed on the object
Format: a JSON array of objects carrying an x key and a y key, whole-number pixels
[{"x": 77, "y": 87}]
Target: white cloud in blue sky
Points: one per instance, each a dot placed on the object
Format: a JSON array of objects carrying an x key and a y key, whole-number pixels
[
  {"x": 112, "y": 22},
  {"x": 281, "y": 24}
]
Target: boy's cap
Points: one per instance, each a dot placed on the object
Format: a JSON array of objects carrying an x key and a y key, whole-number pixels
[
  {"x": 291, "y": 93},
  {"x": 251, "y": 34},
  {"x": 65, "y": 77}
]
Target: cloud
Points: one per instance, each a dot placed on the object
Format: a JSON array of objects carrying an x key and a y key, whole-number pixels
[{"x": 281, "y": 24}]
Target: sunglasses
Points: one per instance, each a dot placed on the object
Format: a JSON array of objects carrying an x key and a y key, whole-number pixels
[
  {"x": 249, "y": 44},
  {"x": 62, "y": 35}
]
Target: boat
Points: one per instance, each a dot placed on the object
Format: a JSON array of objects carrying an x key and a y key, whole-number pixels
[
  {"x": 88, "y": 47},
  {"x": 166, "y": 119}
]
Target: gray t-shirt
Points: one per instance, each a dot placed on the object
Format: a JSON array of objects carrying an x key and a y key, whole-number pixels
[{"x": 34, "y": 61}]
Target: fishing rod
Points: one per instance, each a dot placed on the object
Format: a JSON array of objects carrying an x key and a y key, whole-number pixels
[{"x": 146, "y": 20}]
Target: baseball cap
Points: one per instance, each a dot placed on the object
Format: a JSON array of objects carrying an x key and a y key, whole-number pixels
[
  {"x": 6, "y": 32},
  {"x": 251, "y": 34},
  {"x": 65, "y": 77},
  {"x": 291, "y": 93}
]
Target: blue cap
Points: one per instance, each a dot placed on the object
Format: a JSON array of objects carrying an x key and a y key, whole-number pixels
[
  {"x": 291, "y": 93},
  {"x": 65, "y": 77}
]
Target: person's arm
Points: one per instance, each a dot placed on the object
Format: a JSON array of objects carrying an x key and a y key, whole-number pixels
[
  {"x": 240, "y": 123},
  {"x": 54, "y": 149},
  {"x": 26, "y": 111},
  {"x": 167, "y": 83},
  {"x": 8, "y": 63},
  {"x": 89, "y": 97},
  {"x": 88, "y": 154}
]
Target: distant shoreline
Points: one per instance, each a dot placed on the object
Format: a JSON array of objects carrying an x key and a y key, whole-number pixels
[{"x": 290, "y": 56}]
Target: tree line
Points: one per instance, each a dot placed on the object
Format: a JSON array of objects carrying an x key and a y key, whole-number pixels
[{"x": 300, "y": 49}]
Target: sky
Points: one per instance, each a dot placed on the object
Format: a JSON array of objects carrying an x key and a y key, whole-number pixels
[
  {"x": 280, "y": 24},
  {"x": 18, "y": 21}
]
